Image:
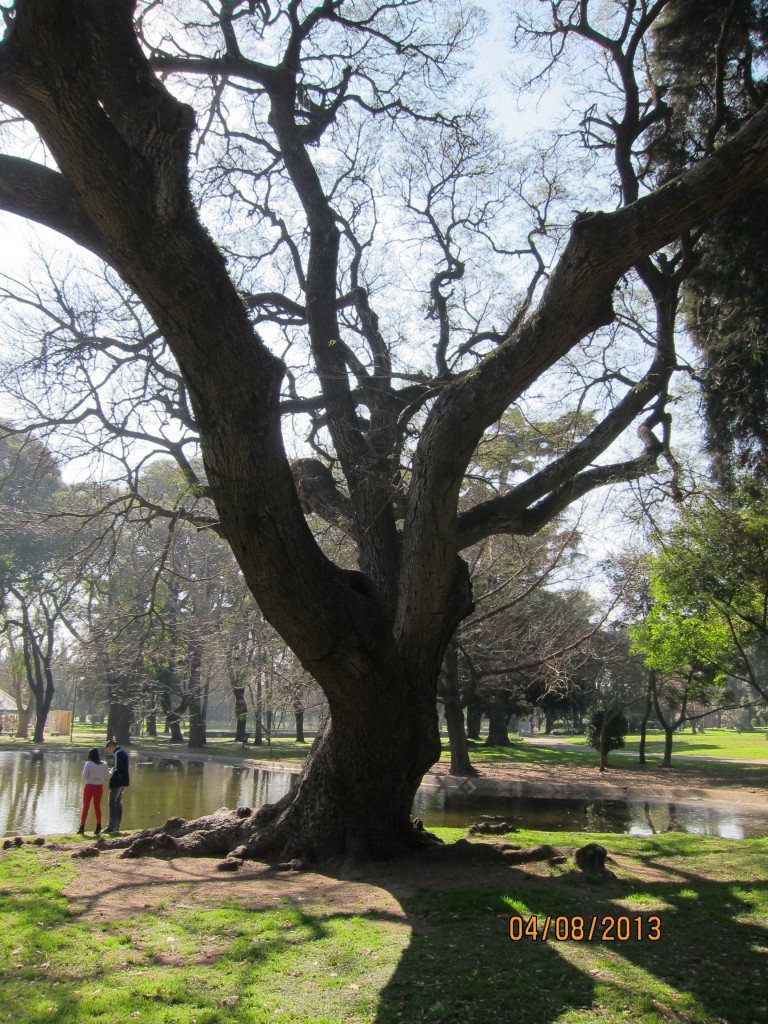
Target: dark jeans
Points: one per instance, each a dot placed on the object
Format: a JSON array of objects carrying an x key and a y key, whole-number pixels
[{"x": 115, "y": 808}]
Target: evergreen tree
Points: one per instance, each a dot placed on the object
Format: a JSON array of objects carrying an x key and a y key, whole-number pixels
[{"x": 711, "y": 56}]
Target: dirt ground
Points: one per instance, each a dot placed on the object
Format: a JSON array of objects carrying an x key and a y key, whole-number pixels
[
  {"x": 107, "y": 887},
  {"x": 743, "y": 784}
]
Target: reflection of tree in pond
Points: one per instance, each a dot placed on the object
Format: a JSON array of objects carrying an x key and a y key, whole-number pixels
[
  {"x": 20, "y": 791},
  {"x": 201, "y": 795},
  {"x": 607, "y": 816},
  {"x": 673, "y": 825},
  {"x": 647, "y": 816},
  {"x": 233, "y": 785}
]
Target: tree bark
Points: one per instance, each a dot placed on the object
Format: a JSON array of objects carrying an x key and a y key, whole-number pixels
[
  {"x": 669, "y": 732},
  {"x": 241, "y": 713},
  {"x": 150, "y": 724},
  {"x": 119, "y": 722},
  {"x": 335, "y": 810},
  {"x": 22, "y": 725},
  {"x": 474, "y": 719},
  {"x": 258, "y": 722},
  {"x": 195, "y": 705},
  {"x": 498, "y": 717},
  {"x": 454, "y": 714},
  {"x": 668, "y": 727},
  {"x": 298, "y": 712},
  {"x": 37, "y": 654},
  {"x": 646, "y": 716}
]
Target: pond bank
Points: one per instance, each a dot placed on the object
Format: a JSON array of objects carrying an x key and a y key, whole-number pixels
[{"x": 742, "y": 787}]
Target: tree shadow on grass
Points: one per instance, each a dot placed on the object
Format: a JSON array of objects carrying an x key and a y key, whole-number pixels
[
  {"x": 709, "y": 963},
  {"x": 461, "y": 966}
]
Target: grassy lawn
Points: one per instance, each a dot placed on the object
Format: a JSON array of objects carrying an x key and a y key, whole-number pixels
[
  {"x": 747, "y": 746},
  {"x": 523, "y": 753},
  {"x": 281, "y": 749},
  {"x": 444, "y": 956}
]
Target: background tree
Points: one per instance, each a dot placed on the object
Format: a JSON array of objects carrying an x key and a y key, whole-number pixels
[
  {"x": 283, "y": 103},
  {"x": 35, "y": 584},
  {"x": 606, "y": 728},
  {"x": 710, "y": 589},
  {"x": 708, "y": 56}
]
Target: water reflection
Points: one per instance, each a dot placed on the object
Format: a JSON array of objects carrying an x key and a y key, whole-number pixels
[
  {"x": 41, "y": 792},
  {"x": 436, "y": 806}
]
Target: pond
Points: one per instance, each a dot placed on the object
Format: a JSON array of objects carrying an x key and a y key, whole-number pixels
[{"x": 40, "y": 793}]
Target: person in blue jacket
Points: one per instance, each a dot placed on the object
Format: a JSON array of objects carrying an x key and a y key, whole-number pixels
[{"x": 118, "y": 781}]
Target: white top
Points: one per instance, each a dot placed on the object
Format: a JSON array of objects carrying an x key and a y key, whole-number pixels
[{"x": 95, "y": 774}]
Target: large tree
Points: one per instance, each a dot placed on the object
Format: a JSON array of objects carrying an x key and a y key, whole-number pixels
[
  {"x": 308, "y": 98},
  {"x": 35, "y": 584}
]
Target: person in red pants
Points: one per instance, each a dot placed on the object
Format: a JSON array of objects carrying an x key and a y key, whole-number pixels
[{"x": 95, "y": 774}]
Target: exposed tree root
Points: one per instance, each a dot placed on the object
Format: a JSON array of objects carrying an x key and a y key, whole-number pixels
[
  {"x": 465, "y": 852},
  {"x": 267, "y": 834},
  {"x": 263, "y": 835}
]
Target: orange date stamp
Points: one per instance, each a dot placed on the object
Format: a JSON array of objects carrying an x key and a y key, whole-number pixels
[{"x": 608, "y": 928}]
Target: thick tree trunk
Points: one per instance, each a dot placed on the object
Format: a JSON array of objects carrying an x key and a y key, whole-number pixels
[
  {"x": 498, "y": 718},
  {"x": 352, "y": 801},
  {"x": 37, "y": 665},
  {"x": 173, "y": 727},
  {"x": 474, "y": 719},
  {"x": 197, "y": 726},
  {"x": 119, "y": 722},
  {"x": 241, "y": 713},
  {"x": 646, "y": 715},
  {"x": 298, "y": 712},
  {"x": 454, "y": 715},
  {"x": 43, "y": 703},
  {"x": 196, "y": 702},
  {"x": 43, "y": 697},
  {"x": 22, "y": 724}
]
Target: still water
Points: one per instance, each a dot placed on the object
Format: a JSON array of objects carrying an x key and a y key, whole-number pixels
[{"x": 41, "y": 792}]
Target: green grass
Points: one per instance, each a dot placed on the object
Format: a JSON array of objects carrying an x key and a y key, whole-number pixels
[
  {"x": 728, "y": 743},
  {"x": 281, "y": 749},
  {"x": 439, "y": 954},
  {"x": 521, "y": 752}
]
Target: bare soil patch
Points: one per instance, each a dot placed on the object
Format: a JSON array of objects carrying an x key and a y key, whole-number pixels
[{"x": 107, "y": 888}]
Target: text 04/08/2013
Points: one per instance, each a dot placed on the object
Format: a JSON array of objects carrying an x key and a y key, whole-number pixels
[{"x": 609, "y": 928}]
